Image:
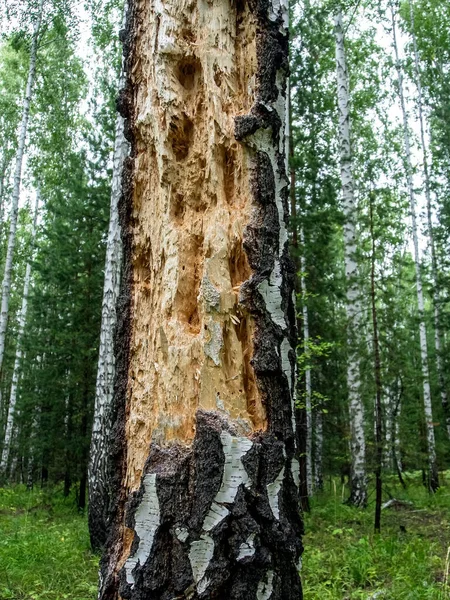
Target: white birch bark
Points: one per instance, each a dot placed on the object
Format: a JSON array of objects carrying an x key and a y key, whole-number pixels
[
  {"x": 33, "y": 434},
  {"x": 2, "y": 191},
  {"x": 357, "y": 442},
  {"x": 106, "y": 364},
  {"x": 318, "y": 450},
  {"x": 433, "y": 473},
  {"x": 308, "y": 388},
  {"x": 18, "y": 359},
  {"x": 434, "y": 269},
  {"x": 388, "y": 402},
  {"x": 6, "y": 284}
]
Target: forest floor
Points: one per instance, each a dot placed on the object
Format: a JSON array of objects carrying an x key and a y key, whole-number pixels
[
  {"x": 408, "y": 560},
  {"x": 44, "y": 547}
]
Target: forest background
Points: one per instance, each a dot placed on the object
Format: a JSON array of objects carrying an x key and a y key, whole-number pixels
[{"x": 370, "y": 219}]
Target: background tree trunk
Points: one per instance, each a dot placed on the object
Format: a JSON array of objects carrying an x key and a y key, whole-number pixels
[
  {"x": 358, "y": 492},
  {"x": 433, "y": 475},
  {"x": 99, "y": 491},
  {"x": 18, "y": 358},
  {"x": 430, "y": 233},
  {"x": 6, "y": 283},
  {"x": 204, "y": 438}
]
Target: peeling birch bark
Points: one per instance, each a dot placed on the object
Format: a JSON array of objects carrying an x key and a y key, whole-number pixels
[
  {"x": 430, "y": 234},
  {"x": 6, "y": 283},
  {"x": 18, "y": 359},
  {"x": 206, "y": 503},
  {"x": 98, "y": 473},
  {"x": 358, "y": 494},
  {"x": 432, "y": 464}
]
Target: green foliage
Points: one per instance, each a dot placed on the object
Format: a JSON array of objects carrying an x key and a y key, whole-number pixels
[
  {"x": 44, "y": 547},
  {"x": 344, "y": 559}
]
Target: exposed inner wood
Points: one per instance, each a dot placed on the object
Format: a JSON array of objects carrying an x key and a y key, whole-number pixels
[{"x": 194, "y": 72}]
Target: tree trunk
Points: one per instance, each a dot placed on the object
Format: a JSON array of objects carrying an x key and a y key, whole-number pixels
[
  {"x": 3, "y": 176},
  {"x": 18, "y": 359},
  {"x": 6, "y": 284},
  {"x": 204, "y": 439},
  {"x": 99, "y": 490},
  {"x": 378, "y": 383},
  {"x": 308, "y": 386},
  {"x": 358, "y": 493},
  {"x": 318, "y": 449},
  {"x": 431, "y": 446},
  {"x": 430, "y": 233},
  {"x": 300, "y": 411}
]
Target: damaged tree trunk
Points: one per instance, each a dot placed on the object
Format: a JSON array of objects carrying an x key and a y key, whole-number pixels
[{"x": 204, "y": 469}]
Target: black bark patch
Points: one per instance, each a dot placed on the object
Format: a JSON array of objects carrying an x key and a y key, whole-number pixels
[
  {"x": 106, "y": 514},
  {"x": 181, "y": 480}
]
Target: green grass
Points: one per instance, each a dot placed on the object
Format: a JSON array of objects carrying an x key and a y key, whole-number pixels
[
  {"x": 345, "y": 560},
  {"x": 44, "y": 548}
]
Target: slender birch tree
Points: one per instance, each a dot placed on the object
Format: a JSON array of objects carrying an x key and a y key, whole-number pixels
[
  {"x": 358, "y": 492},
  {"x": 18, "y": 359},
  {"x": 99, "y": 493},
  {"x": 432, "y": 464},
  {"x": 308, "y": 385},
  {"x": 430, "y": 229},
  {"x": 6, "y": 283}
]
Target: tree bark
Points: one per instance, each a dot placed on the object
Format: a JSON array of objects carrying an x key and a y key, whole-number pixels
[
  {"x": 308, "y": 386},
  {"x": 18, "y": 358},
  {"x": 358, "y": 492},
  {"x": 300, "y": 411},
  {"x": 433, "y": 476},
  {"x": 378, "y": 381},
  {"x": 430, "y": 233},
  {"x": 204, "y": 439},
  {"x": 318, "y": 449},
  {"x": 99, "y": 489},
  {"x": 6, "y": 284}
]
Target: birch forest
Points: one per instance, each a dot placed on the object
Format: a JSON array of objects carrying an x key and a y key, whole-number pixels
[{"x": 225, "y": 299}]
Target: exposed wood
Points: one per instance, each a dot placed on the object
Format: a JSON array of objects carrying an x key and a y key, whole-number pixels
[{"x": 207, "y": 502}]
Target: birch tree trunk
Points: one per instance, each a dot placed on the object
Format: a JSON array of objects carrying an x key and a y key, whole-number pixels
[
  {"x": 18, "y": 358},
  {"x": 318, "y": 449},
  {"x": 358, "y": 494},
  {"x": 377, "y": 377},
  {"x": 98, "y": 475},
  {"x": 204, "y": 439},
  {"x": 300, "y": 411},
  {"x": 6, "y": 284},
  {"x": 308, "y": 387},
  {"x": 3, "y": 174},
  {"x": 430, "y": 233},
  {"x": 432, "y": 465}
]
